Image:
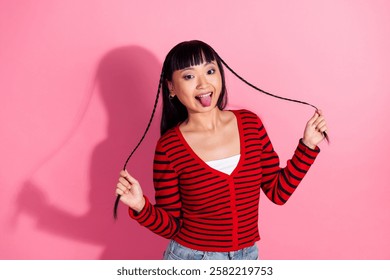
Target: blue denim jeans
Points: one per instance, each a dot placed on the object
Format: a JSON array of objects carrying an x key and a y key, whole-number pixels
[{"x": 175, "y": 251}]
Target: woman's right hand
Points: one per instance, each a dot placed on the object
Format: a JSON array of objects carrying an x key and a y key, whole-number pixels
[{"x": 130, "y": 191}]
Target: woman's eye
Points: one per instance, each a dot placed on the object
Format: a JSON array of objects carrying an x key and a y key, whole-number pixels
[
  {"x": 211, "y": 71},
  {"x": 188, "y": 77}
]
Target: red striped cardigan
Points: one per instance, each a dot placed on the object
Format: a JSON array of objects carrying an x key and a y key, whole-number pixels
[{"x": 205, "y": 209}]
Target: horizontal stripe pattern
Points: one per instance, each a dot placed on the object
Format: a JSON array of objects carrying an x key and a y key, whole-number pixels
[{"x": 208, "y": 210}]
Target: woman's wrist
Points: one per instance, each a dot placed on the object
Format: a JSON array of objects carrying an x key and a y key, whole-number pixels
[
  {"x": 308, "y": 144},
  {"x": 138, "y": 208}
]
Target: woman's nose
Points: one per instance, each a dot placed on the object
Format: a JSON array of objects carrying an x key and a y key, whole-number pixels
[{"x": 202, "y": 81}]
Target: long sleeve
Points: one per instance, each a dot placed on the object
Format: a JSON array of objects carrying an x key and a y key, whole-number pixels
[
  {"x": 163, "y": 218},
  {"x": 279, "y": 183}
]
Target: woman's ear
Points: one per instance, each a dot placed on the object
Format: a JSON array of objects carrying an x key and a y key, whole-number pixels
[
  {"x": 170, "y": 86},
  {"x": 171, "y": 90}
]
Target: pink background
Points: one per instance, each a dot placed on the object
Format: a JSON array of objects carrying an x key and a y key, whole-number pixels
[{"x": 77, "y": 84}]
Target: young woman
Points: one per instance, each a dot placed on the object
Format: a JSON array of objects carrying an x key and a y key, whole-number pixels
[{"x": 211, "y": 163}]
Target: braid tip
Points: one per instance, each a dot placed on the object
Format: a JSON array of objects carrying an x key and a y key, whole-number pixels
[
  {"x": 326, "y": 137},
  {"x": 116, "y": 206}
]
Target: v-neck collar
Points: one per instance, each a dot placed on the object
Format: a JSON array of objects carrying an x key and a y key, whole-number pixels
[{"x": 203, "y": 163}]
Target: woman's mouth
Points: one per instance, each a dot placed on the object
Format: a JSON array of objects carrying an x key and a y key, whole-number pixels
[{"x": 205, "y": 99}]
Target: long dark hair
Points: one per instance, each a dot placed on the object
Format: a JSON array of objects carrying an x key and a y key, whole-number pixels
[{"x": 183, "y": 55}]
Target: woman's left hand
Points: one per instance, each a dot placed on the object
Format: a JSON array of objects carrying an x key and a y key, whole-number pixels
[{"x": 314, "y": 130}]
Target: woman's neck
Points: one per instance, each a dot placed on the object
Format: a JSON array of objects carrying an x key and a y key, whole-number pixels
[{"x": 207, "y": 121}]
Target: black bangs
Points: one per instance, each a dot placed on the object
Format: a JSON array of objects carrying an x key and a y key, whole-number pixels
[{"x": 188, "y": 54}]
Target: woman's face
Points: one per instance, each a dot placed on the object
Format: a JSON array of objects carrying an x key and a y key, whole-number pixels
[{"x": 197, "y": 87}]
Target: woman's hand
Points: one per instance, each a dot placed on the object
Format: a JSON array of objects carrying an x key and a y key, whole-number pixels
[
  {"x": 314, "y": 130},
  {"x": 130, "y": 191}
]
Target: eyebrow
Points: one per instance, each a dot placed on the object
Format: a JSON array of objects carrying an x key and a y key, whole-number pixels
[{"x": 192, "y": 68}]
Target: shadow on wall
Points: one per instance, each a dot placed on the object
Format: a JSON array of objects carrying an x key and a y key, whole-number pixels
[{"x": 128, "y": 79}]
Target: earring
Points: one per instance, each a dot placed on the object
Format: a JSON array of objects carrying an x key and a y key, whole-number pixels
[{"x": 171, "y": 96}]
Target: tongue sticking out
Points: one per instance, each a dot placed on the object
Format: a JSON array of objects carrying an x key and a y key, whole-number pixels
[{"x": 205, "y": 100}]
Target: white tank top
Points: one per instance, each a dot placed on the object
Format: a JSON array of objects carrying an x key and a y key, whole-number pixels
[{"x": 225, "y": 165}]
